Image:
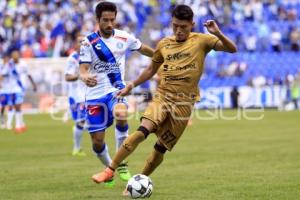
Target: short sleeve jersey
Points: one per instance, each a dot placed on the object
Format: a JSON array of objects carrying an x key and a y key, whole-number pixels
[
  {"x": 182, "y": 65},
  {"x": 76, "y": 89},
  {"x": 106, "y": 57}
]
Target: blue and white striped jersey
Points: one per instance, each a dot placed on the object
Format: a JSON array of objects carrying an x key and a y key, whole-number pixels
[{"x": 107, "y": 60}]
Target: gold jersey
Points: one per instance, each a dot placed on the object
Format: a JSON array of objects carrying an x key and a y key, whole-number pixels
[{"x": 182, "y": 65}]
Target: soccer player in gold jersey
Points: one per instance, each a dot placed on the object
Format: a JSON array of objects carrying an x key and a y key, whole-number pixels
[{"x": 180, "y": 60}]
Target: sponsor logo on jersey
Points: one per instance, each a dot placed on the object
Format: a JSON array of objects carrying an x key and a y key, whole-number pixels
[
  {"x": 177, "y": 56},
  {"x": 177, "y": 78},
  {"x": 104, "y": 67},
  {"x": 179, "y": 68}
]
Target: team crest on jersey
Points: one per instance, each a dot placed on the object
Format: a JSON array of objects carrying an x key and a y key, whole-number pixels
[{"x": 120, "y": 45}]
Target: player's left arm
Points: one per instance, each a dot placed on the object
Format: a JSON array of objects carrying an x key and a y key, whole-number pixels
[
  {"x": 32, "y": 82},
  {"x": 224, "y": 43},
  {"x": 146, "y": 50}
]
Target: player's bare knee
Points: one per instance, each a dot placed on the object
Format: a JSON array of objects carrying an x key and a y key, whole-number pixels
[{"x": 121, "y": 115}]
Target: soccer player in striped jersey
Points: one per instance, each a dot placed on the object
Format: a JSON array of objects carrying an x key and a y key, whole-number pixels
[
  {"x": 3, "y": 91},
  {"x": 102, "y": 68},
  {"x": 15, "y": 71},
  {"x": 76, "y": 97}
]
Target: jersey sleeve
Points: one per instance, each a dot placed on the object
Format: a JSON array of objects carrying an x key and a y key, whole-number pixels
[
  {"x": 70, "y": 68},
  {"x": 85, "y": 55},
  {"x": 157, "y": 56},
  {"x": 133, "y": 43},
  {"x": 210, "y": 41}
]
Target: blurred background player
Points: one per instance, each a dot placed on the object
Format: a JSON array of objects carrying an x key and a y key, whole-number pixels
[
  {"x": 16, "y": 71},
  {"x": 3, "y": 91},
  {"x": 181, "y": 56},
  {"x": 102, "y": 68},
  {"x": 76, "y": 97}
]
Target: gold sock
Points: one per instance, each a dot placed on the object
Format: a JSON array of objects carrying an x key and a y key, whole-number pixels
[
  {"x": 153, "y": 161},
  {"x": 128, "y": 146}
]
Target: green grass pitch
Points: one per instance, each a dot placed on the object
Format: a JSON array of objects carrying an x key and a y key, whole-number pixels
[{"x": 215, "y": 159}]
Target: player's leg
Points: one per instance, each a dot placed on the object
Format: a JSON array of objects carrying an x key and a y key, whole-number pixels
[
  {"x": 128, "y": 146},
  {"x": 121, "y": 133},
  {"x": 98, "y": 119},
  {"x": 121, "y": 129},
  {"x": 3, "y": 103},
  {"x": 78, "y": 130},
  {"x": 11, "y": 111},
  {"x": 153, "y": 116},
  {"x": 155, "y": 158},
  {"x": 78, "y": 116},
  {"x": 20, "y": 125},
  {"x": 2, "y": 118},
  {"x": 100, "y": 148}
]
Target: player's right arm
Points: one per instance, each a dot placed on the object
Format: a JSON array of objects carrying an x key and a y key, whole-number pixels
[
  {"x": 85, "y": 58},
  {"x": 147, "y": 73}
]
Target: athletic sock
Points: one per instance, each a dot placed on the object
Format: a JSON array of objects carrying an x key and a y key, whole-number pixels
[
  {"x": 10, "y": 116},
  {"x": 121, "y": 133},
  {"x": 77, "y": 135},
  {"x": 103, "y": 155},
  {"x": 19, "y": 119}
]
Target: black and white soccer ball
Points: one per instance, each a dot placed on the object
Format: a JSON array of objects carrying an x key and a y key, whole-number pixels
[{"x": 140, "y": 186}]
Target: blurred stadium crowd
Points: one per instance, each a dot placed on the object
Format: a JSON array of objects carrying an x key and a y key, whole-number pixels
[{"x": 267, "y": 33}]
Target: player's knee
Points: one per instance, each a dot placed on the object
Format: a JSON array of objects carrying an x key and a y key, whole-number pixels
[
  {"x": 160, "y": 148},
  {"x": 121, "y": 114}
]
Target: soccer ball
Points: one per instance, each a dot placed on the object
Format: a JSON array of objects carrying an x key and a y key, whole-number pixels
[{"x": 139, "y": 186}]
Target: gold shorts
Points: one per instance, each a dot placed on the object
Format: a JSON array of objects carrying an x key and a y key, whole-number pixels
[{"x": 170, "y": 119}]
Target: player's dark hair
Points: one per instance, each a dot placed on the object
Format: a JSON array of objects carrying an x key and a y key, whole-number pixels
[
  {"x": 105, "y": 6},
  {"x": 183, "y": 12}
]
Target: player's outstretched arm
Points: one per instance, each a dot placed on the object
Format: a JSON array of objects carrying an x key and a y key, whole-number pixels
[
  {"x": 147, "y": 74},
  {"x": 146, "y": 50},
  {"x": 224, "y": 43}
]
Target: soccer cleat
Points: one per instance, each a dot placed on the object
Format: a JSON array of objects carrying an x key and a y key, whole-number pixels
[
  {"x": 104, "y": 176},
  {"x": 78, "y": 152},
  {"x": 20, "y": 129},
  {"x": 123, "y": 171},
  {"x": 109, "y": 184}
]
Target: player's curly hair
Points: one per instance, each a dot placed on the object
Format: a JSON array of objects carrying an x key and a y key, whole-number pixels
[
  {"x": 183, "y": 12},
  {"x": 105, "y": 6}
]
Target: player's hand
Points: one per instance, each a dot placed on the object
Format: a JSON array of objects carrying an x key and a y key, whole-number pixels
[
  {"x": 212, "y": 27},
  {"x": 125, "y": 91},
  {"x": 89, "y": 79}
]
